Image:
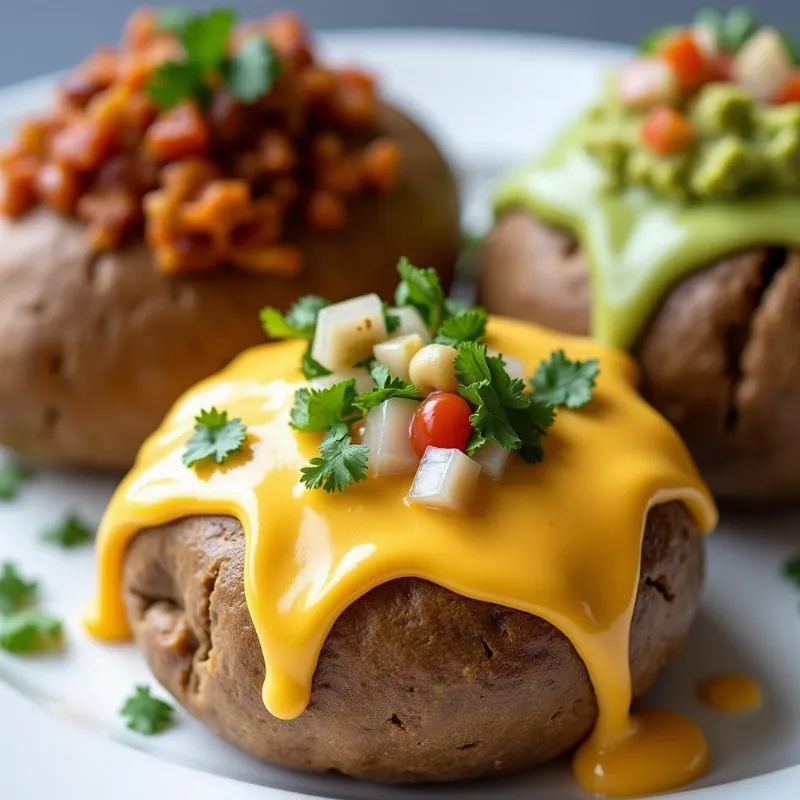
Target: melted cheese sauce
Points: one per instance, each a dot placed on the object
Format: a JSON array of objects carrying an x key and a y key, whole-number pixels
[
  {"x": 731, "y": 692},
  {"x": 561, "y": 539}
]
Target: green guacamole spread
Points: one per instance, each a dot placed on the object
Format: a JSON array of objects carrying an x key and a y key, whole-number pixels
[{"x": 645, "y": 221}]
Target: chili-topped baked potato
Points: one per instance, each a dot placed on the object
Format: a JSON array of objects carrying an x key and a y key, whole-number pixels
[{"x": 146, "y": 223}]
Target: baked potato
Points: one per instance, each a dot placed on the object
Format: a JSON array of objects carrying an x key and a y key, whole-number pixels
[
  {"x": 414, "y": 683},
  {"x": 141, "y": 240}
]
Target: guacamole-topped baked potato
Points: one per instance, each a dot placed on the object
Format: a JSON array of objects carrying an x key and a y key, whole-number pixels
[
  {"x": 667, "y": 221},
  {"x": 137, "y": 249}
]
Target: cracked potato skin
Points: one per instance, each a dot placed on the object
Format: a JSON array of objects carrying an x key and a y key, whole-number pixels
[
  {"x": 720, "y": 358},
  {"x": 414, "y": 683},
  {"x": 96, "y": 348}
]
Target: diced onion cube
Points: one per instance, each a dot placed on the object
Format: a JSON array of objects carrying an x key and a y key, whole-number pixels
[
  {"x": 387, "y": 434},
  {"x": 514, "y": 367},
  {"x": 446, "y": 479},
  {"x": 646, "y": 82},
  {"x": 763, "y": 65},
  {"x": 493, "y": 459},
  {"x": 363, "y": 379},
  {"x": 397, "y": 353},
  {"x": 410, "y": 322},
  {"x": 347, "y": 332}
]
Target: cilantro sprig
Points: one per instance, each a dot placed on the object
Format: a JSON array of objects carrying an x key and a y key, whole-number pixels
[
  {"x": 23, "y": 629},
  {"x": 421, "y": 289},
  {"x": 215, "y": 437},
  {"x": 466, "y": 326},
  {"x": 316, "y": 410},
  {"x": 146, "y": 714},
  {"x": 339, "y": 463},
  {"x": 69, "y": 532},
  {"x": 248, "y": 73},
  {"x": 561, "y": 382},
  {"x": 387, "y": 386},
  {"x": 16, "y": 592}
]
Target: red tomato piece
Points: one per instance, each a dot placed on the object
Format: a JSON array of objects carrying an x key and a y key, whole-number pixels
[
  {"x": 442, "y": 420},
  {"x": 666, "y": 131},
  {"x": 683, "y": 54},
  {"x": 790, "y": 91}
]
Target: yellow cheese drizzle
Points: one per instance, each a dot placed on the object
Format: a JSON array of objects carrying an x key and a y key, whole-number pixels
[{"x": 561, "y": 539}]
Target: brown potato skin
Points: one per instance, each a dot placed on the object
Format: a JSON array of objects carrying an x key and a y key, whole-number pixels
[
  {"x": 720, "y": 358},
  {"x": 415, "y": 683},
  {"x": 95, "y": 349}
]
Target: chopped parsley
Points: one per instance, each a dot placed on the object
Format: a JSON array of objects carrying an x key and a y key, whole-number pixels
[
  {"x": 503, "y": 413},
  {"x": 12, "y": 476},
  {"x": 561, "y": 382},
  {"x": 30, "y": 631},
  {"x": 146, "y": 714},
  {"x": 215, "y": 437},
  {"x": 248, "y": 74},
  {"x": 466, "y": 326},
  {"x": 70, "y": 532},
  {"x": 299, "y": 322},
  {"x": 16, "y": 592},
  {"x": 339, "y": 463},
  {"x": 386, "y": 387}
]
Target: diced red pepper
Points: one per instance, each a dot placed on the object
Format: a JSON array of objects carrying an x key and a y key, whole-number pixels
[
  {"x": 684, "y": 55},
  {"x": 790, "y": 91},
  {"x": 666, "y": 131}
]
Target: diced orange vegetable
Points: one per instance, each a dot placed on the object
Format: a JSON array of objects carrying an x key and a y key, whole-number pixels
[
  {"x": 684, "y": 55},
  {"x": 790, "y": 93},
  {"x": 287, "y": 34},
  {"x": 352, "y": 76},
  {"x": 382, "y": 164},
  {"x": 140, "y": 28},
  {"x": 84, "y": 145},
  {"x": 344, "y": 177},
  {"x": 666, "y": 131},
  {"x": 58, "y": 187},
  {"x": 108, "y": 215},
  {"x": 18, "y": 186},
  {"x": 326, "y": 211},
  {"x": 221, "y": 206},
  {"x": 179, "y": 133}
]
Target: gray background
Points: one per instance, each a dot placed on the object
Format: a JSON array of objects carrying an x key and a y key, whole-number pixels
[{"x": 38, "y": 36}]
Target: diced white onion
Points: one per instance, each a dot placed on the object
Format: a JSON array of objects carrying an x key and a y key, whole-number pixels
[
  {"x": 411, "y": 322},
  {"x": 763, "y": 66},
  {"x": 514, "y": 367},
  {"x": 347, "y": 332},
  {"x": 433, "y": 369},
  {"x": 445, "y": 479},
  {"x": 396, "y": 353},
  {"x": 646, "y": 82},
  {"x": 364, "y": 380},
  {"x": 387, "y": 434},
  {"x": 493, "y": 459}
]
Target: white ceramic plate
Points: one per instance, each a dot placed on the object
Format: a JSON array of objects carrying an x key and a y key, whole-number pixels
[{"x": 492, "y": 100}]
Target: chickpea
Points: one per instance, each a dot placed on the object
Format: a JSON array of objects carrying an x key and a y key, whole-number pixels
[{"x": 432, "y": 369}]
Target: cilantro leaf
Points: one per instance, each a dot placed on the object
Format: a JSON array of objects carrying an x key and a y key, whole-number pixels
[
  {"x": 466, "y": 326},
  {"x": 15, "y": 591},
  {"x": 386, "y": 387},
  {"x": 70, "y": 532},
  {"x": 29, "y": 631},
  {"x": 737, "y": 27},
  {"x": 146, "y": 714},
  {"x": 503, "y": 413},
  {"x": 215, "y": 436},
  {"x": 792, "y": 569},
  {"x": 252, "y": 70},
  {"x": 320, "y": 409},
  {"x": 312, "y": 369},
  {"x": 421, "y": 288},
  {"x": 299, "y": 322},
  {"x": 339, "y": 463},
  {"x": 172, "y": 19},
  {"x": 175, "y": 81},
  {"x": 205, "y": 37},
  {"x": 561, "y": 382},
  {"x": 11, "y": 478},
  {"x": 392, "y": 320}
]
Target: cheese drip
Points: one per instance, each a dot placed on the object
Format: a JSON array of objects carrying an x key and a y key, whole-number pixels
[{"x": 561, "y": 539}]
